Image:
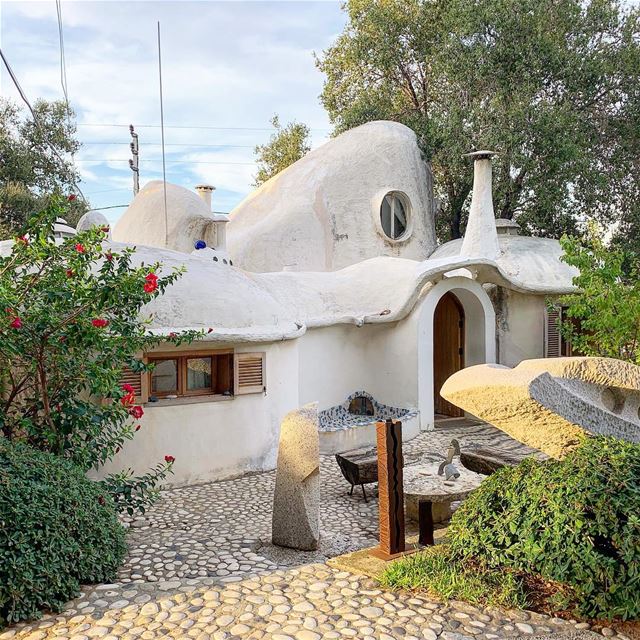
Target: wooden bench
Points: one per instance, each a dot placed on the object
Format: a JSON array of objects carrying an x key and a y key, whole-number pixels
[{"x": 359, "y": 468}]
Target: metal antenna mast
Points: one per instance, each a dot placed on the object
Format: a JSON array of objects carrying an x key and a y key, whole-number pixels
[
  {"x": 164, "y": 169},
  {"x": 134, "y": 163}
]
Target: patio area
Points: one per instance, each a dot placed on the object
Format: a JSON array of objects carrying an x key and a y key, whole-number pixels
[
  {"x": 222, "y": 530},
  {"x": 201, "y": 565}
]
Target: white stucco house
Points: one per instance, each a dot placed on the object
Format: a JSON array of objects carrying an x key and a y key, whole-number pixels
[{"x": 325, "y": 283}]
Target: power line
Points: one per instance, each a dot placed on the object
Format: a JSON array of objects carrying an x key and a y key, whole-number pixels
[
  {"x": 63, "y": 62},
  {"x": 160, "y": 160},
  {"x": 17, "y": 85},
  {"x": 180, "y": 144},
  {"x": 180, "y": 126},
  {"x": 36, "y": 122}
]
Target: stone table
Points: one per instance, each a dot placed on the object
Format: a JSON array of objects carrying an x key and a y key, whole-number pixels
[{"x": 428, "y": 496}]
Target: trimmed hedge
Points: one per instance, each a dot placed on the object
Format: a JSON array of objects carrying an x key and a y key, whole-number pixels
[
  {"x": 574, "y": 521},
  {"x": 58, "y": 530}
]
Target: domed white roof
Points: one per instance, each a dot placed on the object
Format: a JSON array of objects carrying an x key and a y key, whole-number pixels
[
  {"x": 188, "y": 218},
  {"x": 532, "y": 263},
  {"x": 92, "y": 219},
  {"x": 323, "y": 212}
]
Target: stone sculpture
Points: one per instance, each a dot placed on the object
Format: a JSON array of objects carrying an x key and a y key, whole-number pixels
[
  {"x": 447, "y": 468},
  {"x": 553, "y": 403},
  {"x": 296, "y": 502}
]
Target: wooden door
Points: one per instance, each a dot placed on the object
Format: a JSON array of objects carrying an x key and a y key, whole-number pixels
[{"x": 448, "y": 349}]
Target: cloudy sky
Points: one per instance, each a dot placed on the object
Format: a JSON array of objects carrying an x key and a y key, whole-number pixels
[{"x": 227, "y": 68}]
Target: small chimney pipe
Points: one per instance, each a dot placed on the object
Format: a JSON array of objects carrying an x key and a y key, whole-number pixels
[{"x": 205, "y": 191}]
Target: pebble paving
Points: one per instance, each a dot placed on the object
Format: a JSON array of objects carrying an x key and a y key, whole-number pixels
[{"x": 200, "y": 565}]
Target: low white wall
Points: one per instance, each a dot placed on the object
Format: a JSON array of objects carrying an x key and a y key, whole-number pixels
[
  {"x": 218, "y": 439},
  {"x": 363, "y": 436},
  {"x": 338, "y": 360}
]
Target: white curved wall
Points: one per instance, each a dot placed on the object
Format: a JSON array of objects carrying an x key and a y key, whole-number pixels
[
  {"x": 322, "y": 213},
  {"x": 480, "y": 334},
  {"x": 219, "y": 439}
]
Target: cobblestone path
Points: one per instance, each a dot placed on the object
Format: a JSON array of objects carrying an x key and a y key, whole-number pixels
[{"x": 201, "y": 566}]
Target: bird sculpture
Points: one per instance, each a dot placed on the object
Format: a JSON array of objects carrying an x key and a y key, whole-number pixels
[{"x": 447, "y": 468}]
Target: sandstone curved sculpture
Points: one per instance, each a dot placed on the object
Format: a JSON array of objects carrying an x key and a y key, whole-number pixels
[
  {"x": 552, "y": 403},
  {"x": 296, "y": 502}
]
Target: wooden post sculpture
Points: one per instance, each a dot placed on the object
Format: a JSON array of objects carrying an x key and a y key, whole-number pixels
[{"x": 390, "y": 491}]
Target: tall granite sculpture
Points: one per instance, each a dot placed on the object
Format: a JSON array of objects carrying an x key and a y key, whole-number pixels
[
  {"x": 553, "y": 403},
  {"x": 296, "y": 502}
]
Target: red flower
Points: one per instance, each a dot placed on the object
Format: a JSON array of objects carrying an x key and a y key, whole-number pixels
[
  {"x": 128, "y": 399},
  {"x": 101, "y": 323},
  {"x": 23, "y": 239},
  {"x": 169, "y": 459},
  {"x": 79, "y": 247},
  {"x": 71, "y": 197},
  {"x": 172, "y": 334},
  {"x": 16, "y": 323},
  {"x": 109, "y": 256},
  {"x": 151, "y": 282},
  {"x": 136, "y": 412},
  {"x": 105, "y": 229},
  {"x": 128, "y": 388},
  {"x": 70, "y": 273}
]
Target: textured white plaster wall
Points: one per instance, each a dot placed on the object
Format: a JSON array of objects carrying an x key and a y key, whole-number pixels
[
  {"x": 323, "y": 212},
  {"x": 338, "y": 360},
  {"x": 520, "y": 327},
  {"x": 215, "y": 440}
]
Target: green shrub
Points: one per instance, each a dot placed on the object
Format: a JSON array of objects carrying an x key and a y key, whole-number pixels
[
  {"x": 58, "y": 529},
  {"x": 437, "y": 572},
  {"x": 575, "y": 521}
]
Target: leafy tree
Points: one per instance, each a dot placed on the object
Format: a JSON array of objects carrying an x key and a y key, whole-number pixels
[
  {"x": 551, "y": 85},
  {"x": 70, "y": 322},
  {"x": 604, "y": 318},
  {"x": 286, "y": 146},
  {"x": 35, "y": 162}
]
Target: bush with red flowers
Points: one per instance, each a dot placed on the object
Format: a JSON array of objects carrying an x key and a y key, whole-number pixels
[{"x": 70, "y": 323}]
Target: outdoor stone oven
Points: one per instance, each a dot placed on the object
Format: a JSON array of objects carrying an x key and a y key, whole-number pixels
[{"x": 352, "y": 424}]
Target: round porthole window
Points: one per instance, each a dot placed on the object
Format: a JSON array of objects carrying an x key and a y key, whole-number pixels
[{"x": 394, "y": 215}]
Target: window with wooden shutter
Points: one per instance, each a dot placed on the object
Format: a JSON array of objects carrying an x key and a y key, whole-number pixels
[
  {"x": 249, "y": 373},
  {"x": 137, "y": 381},
  {"x": 555, "y": 344}
]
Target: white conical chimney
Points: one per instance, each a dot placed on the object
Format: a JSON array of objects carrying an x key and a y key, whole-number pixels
[{"x": 481, "y": 238}]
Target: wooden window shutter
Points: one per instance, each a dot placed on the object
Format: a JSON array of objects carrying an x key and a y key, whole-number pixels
[
  {"x": 552, "y": 337},
  {"x": 249, "y": 373},
  {"x": 138, "y": 381}
]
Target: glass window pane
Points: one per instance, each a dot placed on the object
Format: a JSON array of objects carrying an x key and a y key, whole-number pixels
[
  {"x": 385, "y": 215},
  {"x": 198, "y": 374},
  {"x": 164, "y": 377},
  {"x": 400, "y": 218}
]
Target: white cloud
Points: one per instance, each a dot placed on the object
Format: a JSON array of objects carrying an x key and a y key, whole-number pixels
[{"x": 225, "y": 64}]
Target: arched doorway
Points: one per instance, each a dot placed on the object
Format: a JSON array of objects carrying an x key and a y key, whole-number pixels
[
  {"x": 479, "y": 335},
  {"x": 448, "y": 349}
]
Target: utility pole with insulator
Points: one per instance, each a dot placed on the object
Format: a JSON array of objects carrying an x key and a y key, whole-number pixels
[{"x": 134, "y": 162}]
